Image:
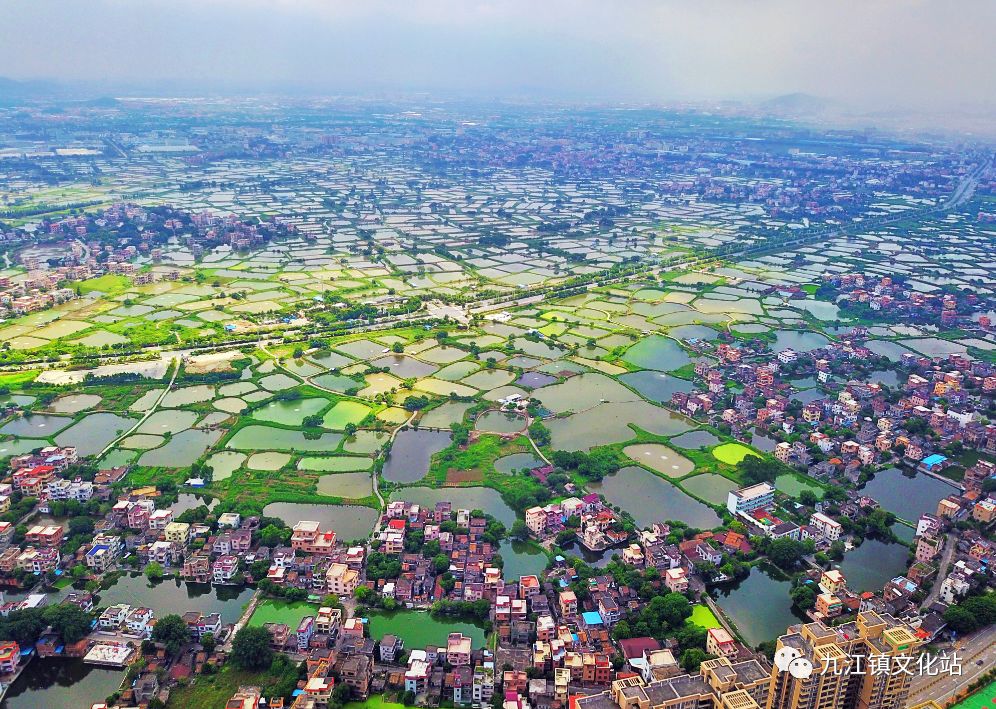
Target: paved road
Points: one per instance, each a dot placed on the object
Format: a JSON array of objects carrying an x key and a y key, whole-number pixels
[{"x": 979, "y": 646}]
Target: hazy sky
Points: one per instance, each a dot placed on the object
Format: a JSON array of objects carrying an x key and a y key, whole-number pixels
[{"x": 873, "y": 52}]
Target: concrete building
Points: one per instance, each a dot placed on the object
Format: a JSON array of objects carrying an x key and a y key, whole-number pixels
[{"x": 745, "y": 500}]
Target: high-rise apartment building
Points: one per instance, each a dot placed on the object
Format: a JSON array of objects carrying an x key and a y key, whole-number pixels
[
  {"x": 859, "y": 665},
  {"x": 854, "y": 665}
]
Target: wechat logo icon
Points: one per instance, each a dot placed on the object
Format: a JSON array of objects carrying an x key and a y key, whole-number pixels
[{"x": 790, "y": 660}]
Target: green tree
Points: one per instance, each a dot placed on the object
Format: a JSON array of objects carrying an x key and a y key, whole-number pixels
[
  {"x": 272, "y": 536},
  {"x": 519, "y": 530},
  {"x": 154, "y": 571},
  {"x": 414, "y": 403},
  {"x": 71, "y": 622},
  {"x": 785, "y": 552},
  {"x": 441, "y": 563},
  {"x": 251, "y": 648},
  {"x": 23, "y": 626},
  {"x": 692, "y": 658},
  {"x": 172, "y": 632},
  {"x": 208, "y": 642},
  {"x": 758, "y": 470},
  {"x": 803, "y": 597}
]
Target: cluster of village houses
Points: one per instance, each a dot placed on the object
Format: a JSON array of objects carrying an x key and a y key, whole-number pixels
[{"x": 45, "y": 284}]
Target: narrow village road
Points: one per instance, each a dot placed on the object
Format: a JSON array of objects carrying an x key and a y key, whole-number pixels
[{"x": 942, "y": 570}]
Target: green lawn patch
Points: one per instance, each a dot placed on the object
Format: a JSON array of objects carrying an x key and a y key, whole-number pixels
[
  {"x": 109, "y": 284},
  {"x": 213, "y": 691},
  {"x": 374, "y": 701},
  {"x": 732, "y": 453},
  {"x": 13, "y": 379},
  {"x": 289, "y": 613},
  {"x": 703, "y": 617}
]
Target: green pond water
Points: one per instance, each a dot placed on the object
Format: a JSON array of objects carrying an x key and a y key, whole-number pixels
[
  {"x": 20, "y": 446},
  {"x": 759, "y": 606},
  {"x": 793, "y": 485},
  {"x": 188, "y": 395},
  {"x": 418, "y": 629},
  {"x": 710, "y": 487},
  {"x": 411, "y": 452},
  {"x": 56, "y": 683},
  {"x": 660, "y": 458},
  {"x": 337, "y": 464},
  {"x": 343, "y": 413},
  {"x": 267, "y": 460},
  {"x": 693, "y": 332},
  {"x": 695, "y": 439},
  {"x": 94, "y": 432},
  {"x": 403, "y": 366},
  {"x": 907, "y": 496},
  {"x": 225, "y": 463},
  {"x": 350, "y": 485},
  {"x": 270, "y": 438},
  {"x": 365, "y": 442},
  {"x": 657, "y": 352},
  {"x": 888, "y": 349},
  {"x": 348, "y": 521},
  {"x": 456, "y": 371},
  {"x": 182, "y": 449},
  {"x": 468, "y": 498},
  {"x": 274, "y": 611},
  {"x": 517, "y": 461},
  {"x": 171, "y": 596},
  {"x": 521, "y": 559},
  {"x": 610, "y": 423},
  {"x": 656, "y": 386},
  {"x": 337, "y": 382},
  {"x": 168, "y": 421},
  {"x": 74, "y": 403},
  {"x": 445, "y": 415},
  {"x": 798, "y": 340},
  {"x": 872, "y": 564},
  {"x": 582, "y": 392},
  {"x": 36, "y": 426},
  {"x": 500, "y": 422},
  {"x": 489, "y": 378},
  {"x": 289, "y": 413},
  {"x": 651, "y": 499},
  {"x": 188, "y": 501},
  {"x": 114, "y": 459}
]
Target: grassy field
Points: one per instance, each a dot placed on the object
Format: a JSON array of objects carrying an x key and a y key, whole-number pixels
[
  {"x": 213, "y": 691},
  {"x": 109, "y": 284},
  {"x": 8, "y": 379},
  {"x": 272, "y": 611},
  {"x": 376, "y": 701},
  {"x": 731, "y": 453},
  {"x": 703, "y": 617}
]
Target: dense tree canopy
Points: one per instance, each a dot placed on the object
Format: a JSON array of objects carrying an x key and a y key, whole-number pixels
[
  {"x": 172, "y": 632},
  {"x": 251, "y": 648}
]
